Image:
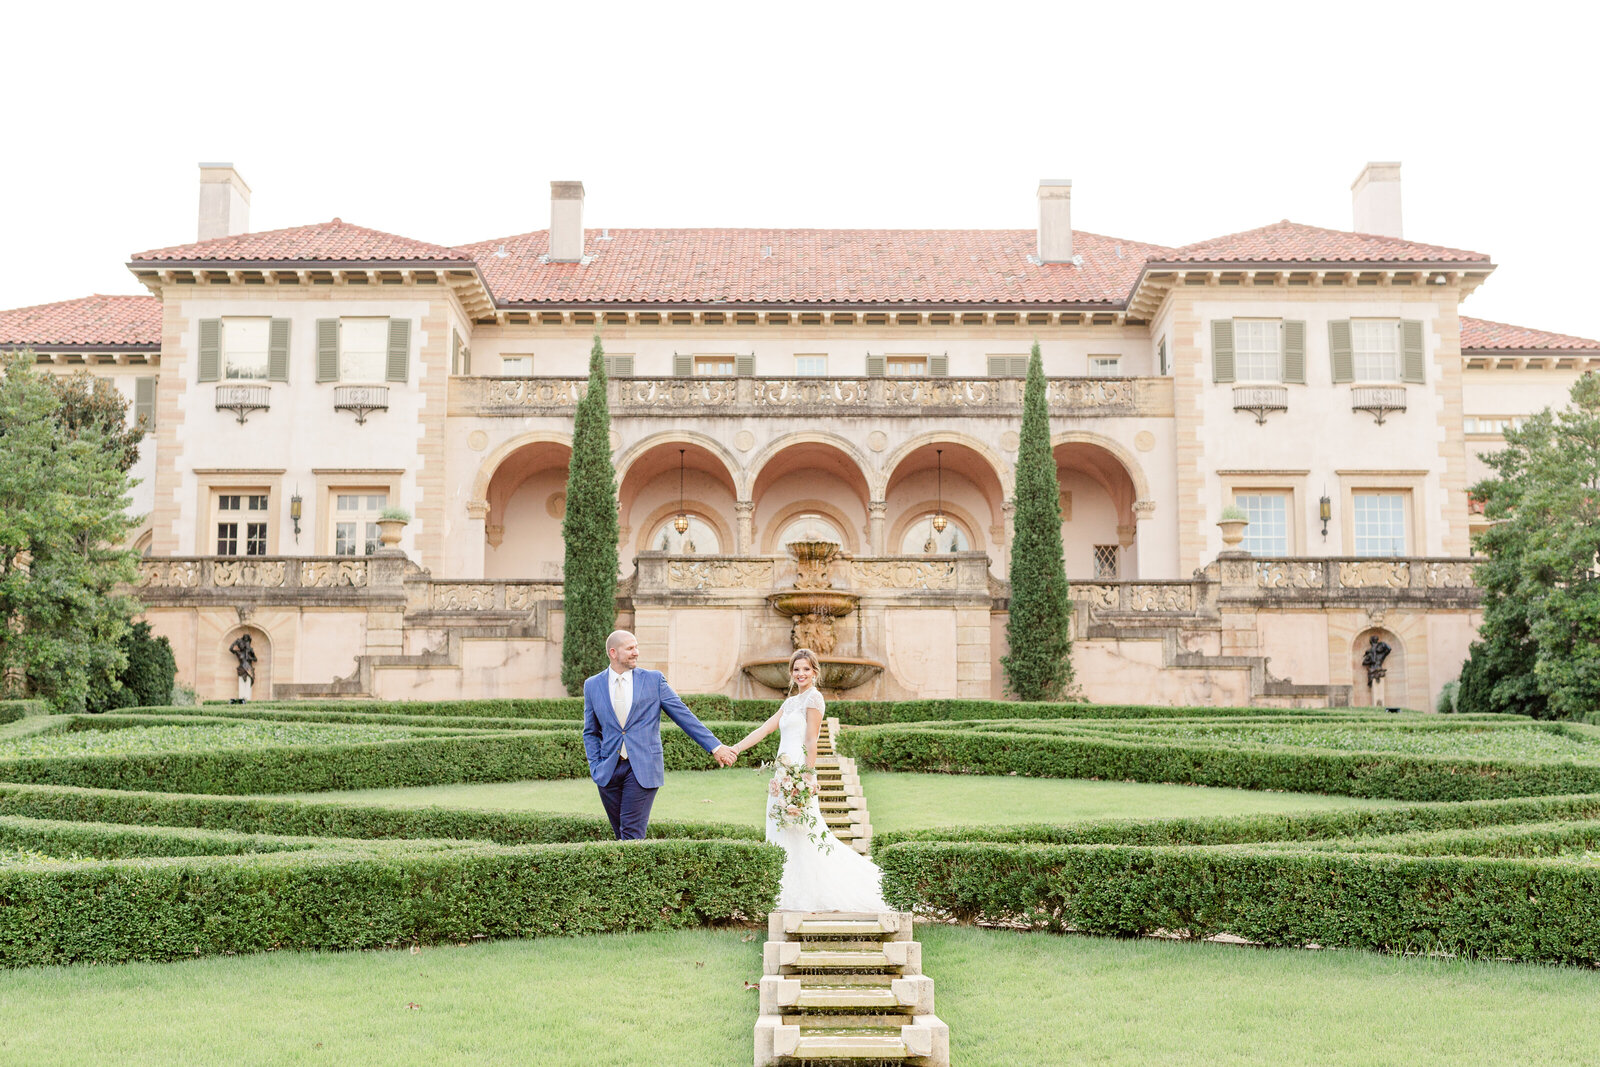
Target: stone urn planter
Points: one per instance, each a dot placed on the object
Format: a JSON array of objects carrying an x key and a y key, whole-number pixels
[
  {"x": 1232, "y": 525},
  {"x": 391, "y": 525}
]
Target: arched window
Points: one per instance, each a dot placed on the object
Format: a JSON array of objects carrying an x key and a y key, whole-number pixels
[
  {"x": 922, "y": 539},
  {"x": 700, "y": 539},
  {"x": 810, "y": 527}
]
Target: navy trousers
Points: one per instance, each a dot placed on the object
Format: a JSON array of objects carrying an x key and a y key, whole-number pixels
[{"x": 627, "y": 803}]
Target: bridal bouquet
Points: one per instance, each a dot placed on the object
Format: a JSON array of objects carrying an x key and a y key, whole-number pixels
[{"x": 791, "y": 800}]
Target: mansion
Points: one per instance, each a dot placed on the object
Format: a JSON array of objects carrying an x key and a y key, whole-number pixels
[{"x": 778, "y": 388}]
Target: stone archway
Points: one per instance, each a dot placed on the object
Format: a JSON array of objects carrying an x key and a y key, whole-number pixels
[
  {"x": 1099, "y": 523},
  {"x": 650, "y": 489},
  {"x": 816, "y": 473},
  {"x": 525, "y": 497},
  {"x": 227, "y": 674},
  {"x": 965, "y": 476},
  {"x": 1396, "y": 681}
]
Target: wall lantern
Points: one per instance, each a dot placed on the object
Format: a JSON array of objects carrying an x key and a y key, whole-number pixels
[
  {"x": 1325, "y": 512},
  {"x": 681, "y": 523},
  {"x": 939, "y": 520},
  {"x": 295, "y": 511}
]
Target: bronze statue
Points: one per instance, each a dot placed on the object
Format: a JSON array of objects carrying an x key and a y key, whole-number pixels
[
  {"x": 247, "y": 666},
  {"x": 1372, "y": 659}
]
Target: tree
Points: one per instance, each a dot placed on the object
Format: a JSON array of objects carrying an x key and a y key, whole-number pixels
[
  {"x": 63, "y": 500},
  {"x": 148, "y": 678},
  {"x": 1039, "y": 663},
  {"x": 88, "y": 403},
  {"x": 590, "y": 530},
  {"x": 1538, "y": 651}
]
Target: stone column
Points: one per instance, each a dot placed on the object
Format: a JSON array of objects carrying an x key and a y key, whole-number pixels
[
  {"x": 743, "y": 529},
  {"x": 876, "y": 512}
]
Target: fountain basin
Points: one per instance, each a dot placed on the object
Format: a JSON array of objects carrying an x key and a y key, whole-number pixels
[
  {"x": 838, "y": 672},
  {"x": 813, "y": 602}
]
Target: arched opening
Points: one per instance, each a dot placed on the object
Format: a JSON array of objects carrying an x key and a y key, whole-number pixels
[
  {"x": 228, "y": 675},
  {"x": 656, "y": 488},
  {"x": 954, "y": 478},
  {"x": 1394, "y": 690},
  {"x": 810, "y": 477},
  {"x": 527, "y": 497},
  {"x": 1098, "y": 529}
]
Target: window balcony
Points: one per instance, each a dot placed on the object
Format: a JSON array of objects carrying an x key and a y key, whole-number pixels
[
  {"x": 361, "y": 399},
  {"x": 244, "y": 399},
  {"x": 1261, "y": 400},
  {"x": 1378, "y": 400}
]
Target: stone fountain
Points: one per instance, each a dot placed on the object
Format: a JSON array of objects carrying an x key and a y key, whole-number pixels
[{"x": 813, "y": 605}]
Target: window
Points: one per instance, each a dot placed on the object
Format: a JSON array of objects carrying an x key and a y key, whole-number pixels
[
  {"x": 363, "y": 349},
  {"x": 516, "y": 366},
  {"x": 355, "y": 521},
  {"x": 1476, "y": 424},
  {"x": 1268, "y": 532},
  {"x": 906, "y": 366},
  {"x": 1380, "y": 524},
  {"x": 810, "y": 528},
  {"x": 1375, "y": 348},
  {"x": 699, "y": 539},
  {"x": 1161, "y": 356},
  {"x": 1008, "y": 366},
  {"x": 244, "y": 349},
  {"x": 713, "y": 366},
  {"x": 810, "y": 366},
  {"x": 240, "y": 521},
  {"x": 1105, "y": 366},
  {"x": 1256, "y": 353},
  {"x": 1107, "y": 561},
  {"x": 921, "y": 538}
]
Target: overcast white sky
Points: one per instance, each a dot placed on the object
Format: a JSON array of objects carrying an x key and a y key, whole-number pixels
[{"x": 446, "y": 122}]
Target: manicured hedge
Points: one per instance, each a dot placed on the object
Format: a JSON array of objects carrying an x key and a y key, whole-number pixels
[
  {"x": 163, "y": 909},
  {"x": 1392, "y": 775},
  {"x": 1524, "y": 909},
  {"x": 1535, "y": 839},
  {"x": 505, "y": 757},
  {"x": 707, "y": 706},
  {"x": 1245, "y": 829},
  {"x": 12, "y": 710},
  {"x": 109, "y": 841},
  {"x": 259, "y": 815},
  {"x": 349, "y": 718},
  {"x": 880, "y": 712}
]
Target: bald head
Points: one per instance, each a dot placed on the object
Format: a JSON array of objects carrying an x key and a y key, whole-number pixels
[{"x": 622, "y": 649}]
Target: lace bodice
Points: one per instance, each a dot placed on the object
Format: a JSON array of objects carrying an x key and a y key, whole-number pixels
[{"x": 792, "y": 722}]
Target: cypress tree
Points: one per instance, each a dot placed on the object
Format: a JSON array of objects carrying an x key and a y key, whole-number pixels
[
  {"x": 590, "y": 530},
  {"x": 1039, "y": 665}
]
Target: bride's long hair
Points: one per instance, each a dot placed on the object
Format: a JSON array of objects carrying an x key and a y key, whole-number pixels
[{"x": 811, "y": 658}]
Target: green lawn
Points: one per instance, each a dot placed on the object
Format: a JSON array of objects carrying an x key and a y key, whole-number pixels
[
  {"x": 895, "y": 801},
  {"x": 679, "y": 999}
]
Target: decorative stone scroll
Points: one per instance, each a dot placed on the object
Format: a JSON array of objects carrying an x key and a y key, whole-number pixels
[
  {"x": 720, "y": 574},
  {"x": 1103, "y": 597},
  {"x": 902, "y": 574},
  {"x": 1091, "y": 393},
  {"x": 1179, "y": 597},
  {"x": 461, "y": 596},
  {"x": 169, "y": 574},
  {"x": 328, "y": 574},
  {"x": 524, "y": 597},
  {"x": 1452, "y": 575},
  {"x": 1375, "y": 574},
  {"x": 941, "y": 392},
  {"x": 802, "y": 392},
  {"x": 1290, "y": 574},
  {"x": 675, "y": 392},
  {"x": 268, "y": 574},
  {"x": 534, "y": 392}
]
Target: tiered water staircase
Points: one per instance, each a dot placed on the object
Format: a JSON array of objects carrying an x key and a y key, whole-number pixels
[
  {"x": 845, "y": 987},
  {"x": 844, "y": 807}
]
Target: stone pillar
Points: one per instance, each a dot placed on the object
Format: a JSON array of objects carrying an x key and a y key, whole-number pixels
[
  {"x": 876, "y": 512},
  {"x": 743, "y": 528},
  {"x": 972, "y": 652}
]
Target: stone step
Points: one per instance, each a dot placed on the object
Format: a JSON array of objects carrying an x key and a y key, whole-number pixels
[
  {"x": 861, "y": 925},
  {"x": 784, "y": 957},
  {"x": 909, "y": 994},
  {"x": 838, "y": 1020},
  {"x": 926, "y": 1041}
]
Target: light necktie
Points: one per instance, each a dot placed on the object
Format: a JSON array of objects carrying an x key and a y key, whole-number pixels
[{"x": 621, "y": 708}]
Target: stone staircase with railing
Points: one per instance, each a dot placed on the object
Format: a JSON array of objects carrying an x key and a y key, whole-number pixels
[{"x": 845, "y": 987}]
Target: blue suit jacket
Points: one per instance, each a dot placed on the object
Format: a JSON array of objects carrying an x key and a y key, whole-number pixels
[{"x": 603, "y": 735}]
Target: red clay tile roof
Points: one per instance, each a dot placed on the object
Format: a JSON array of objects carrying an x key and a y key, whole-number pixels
[
  {"x": 337, "y": 241},
  {"x": 90, "y": 322},
  {"x": 1293, "y": 242},
  {"x": 810, "y": 267},
  {"x": 1481, "y": 335}
]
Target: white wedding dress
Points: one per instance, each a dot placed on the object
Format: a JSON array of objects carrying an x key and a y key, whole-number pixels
[{"x": 827, "y": 877}]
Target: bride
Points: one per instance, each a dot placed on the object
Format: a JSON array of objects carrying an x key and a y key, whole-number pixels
[{"x": 820, "y": 872}]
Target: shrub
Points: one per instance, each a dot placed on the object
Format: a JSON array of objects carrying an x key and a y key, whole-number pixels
[
  {"x": 12, "y": 710},
  {"x": 1448, "y": 692},
  {"x": 109, "y": 841}
]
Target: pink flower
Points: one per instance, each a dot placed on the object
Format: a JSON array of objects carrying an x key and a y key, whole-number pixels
[
  {"x": 792, "y": 810},
  {"x": 772, "y": 788}
]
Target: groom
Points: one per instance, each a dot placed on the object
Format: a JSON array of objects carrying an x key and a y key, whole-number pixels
[{"x": 622, "y": 708}]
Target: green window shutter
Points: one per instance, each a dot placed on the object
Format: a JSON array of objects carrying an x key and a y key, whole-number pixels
[
  {"x": 1161, "y": 357},
  {"x": 327, "y": 350},
  {"x": 399, "y": 350},
  {"x": 745, "y": 366},
  {"x": 939, "y": 366},
  {"x": 1019, "y": 367},
  {"x": 1294, "y": 352},
  {"x": 999, "y": 366},
  {"x": 1222, "y": 350},
  {"x": 466, "y": 361},
  {"x": 682, "y": 366},
  {"x": 144, "y": 402},
  {"x": 278, "y": 351},
  {"x": 455, "y": 352},
  {"x": 1411, "y": 367},
  {"x": 1341, "y": 352},
  {"x": 619, "y": 366},
  {"x": 210, "y": 350},
  {"x": 874, "y": 366}
]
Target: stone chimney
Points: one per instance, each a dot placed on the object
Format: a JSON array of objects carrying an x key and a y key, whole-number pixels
[
  {"x": 1375, "y": 198},
  {"x": 224, "y": 202},
  {"x": 1055, "y": 220},
  {"x": 566, "y": 222}
]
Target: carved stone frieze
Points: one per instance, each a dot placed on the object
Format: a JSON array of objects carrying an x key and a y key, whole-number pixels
[
  {"x": 720, "y": 574},
  {"x": 1452, "y": 575},
  {"x": 462, "y": 596},
  {"x": 941, "y": 392},
  {"x": 1158, "y": 598},
  {"x": 801, "y": 392},
  {"x": 170, "y": 574},
  {"x": 1290, "y": 574},
  {"x": 1375, "y": 574},
  {"x": 524, "y": 597},
  {"x": 1091, "y": 392},
  {"x": 533, "y": 392},
  {"x": 240, "y": 572},
  {"x": 675, "y": 392},
  {"x": 328, "y": 574},
  {"x": 1103, "y": 597},
  {"x": 902, "y": 574}
]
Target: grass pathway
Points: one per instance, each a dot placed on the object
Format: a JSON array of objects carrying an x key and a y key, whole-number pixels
[{"x": 1009, "y": 998}]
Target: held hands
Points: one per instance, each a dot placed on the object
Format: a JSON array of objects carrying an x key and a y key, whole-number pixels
[{"x": 725, "y": 756}]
